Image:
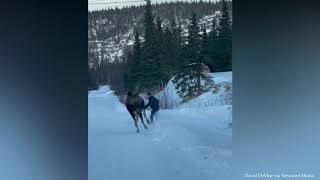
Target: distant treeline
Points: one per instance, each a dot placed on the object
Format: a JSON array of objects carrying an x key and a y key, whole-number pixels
[{"x": 104, "y": 24}]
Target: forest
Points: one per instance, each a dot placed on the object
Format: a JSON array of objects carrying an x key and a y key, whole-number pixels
[{"x": 170, "y": 43}]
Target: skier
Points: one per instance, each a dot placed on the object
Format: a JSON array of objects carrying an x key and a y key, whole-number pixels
[
  {"x": 135, "y": 106},
  {"x": 154, "y": 105}
]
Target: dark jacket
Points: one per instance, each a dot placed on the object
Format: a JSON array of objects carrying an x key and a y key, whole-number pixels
[{"x": 153, "y": 103}]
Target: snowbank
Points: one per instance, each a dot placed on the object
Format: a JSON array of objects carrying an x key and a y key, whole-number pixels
[{"x": 219, "y": 95}]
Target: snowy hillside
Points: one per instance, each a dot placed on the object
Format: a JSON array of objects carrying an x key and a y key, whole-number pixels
[
  {"x": 219, "y": 95},
  {"x": 120, "y": 4},
  {"x": 111, "y": 31},
  {"x": 114, "y": 48},
  {"x": 182, "y": 144}
]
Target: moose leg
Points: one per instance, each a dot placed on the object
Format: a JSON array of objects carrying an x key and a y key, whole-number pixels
[
  {"x": 140, "y": 114},
  {"x": 145, "y": 116},
  {"x": 130, "y": 110},
  {"x": 133, "y": 115},
  {"x": 136, "y": 124},
  {"x": 136, "y": 118}
]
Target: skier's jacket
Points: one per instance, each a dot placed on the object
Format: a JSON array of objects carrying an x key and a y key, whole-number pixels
[{"x": 153, "y": 103}]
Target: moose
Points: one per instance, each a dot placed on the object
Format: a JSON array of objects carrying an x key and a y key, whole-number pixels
[{"x": 135, "y": 105}]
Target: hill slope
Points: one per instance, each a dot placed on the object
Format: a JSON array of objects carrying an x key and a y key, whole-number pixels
[{"x": 111, "y": 32}]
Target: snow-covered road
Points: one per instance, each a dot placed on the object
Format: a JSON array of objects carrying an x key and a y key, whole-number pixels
[{"x": 184, "y": 144}]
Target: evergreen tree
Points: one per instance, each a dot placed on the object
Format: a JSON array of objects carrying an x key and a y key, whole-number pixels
[
  {"x": 135, "y": 66},
  {"x": 204, "y": 37},
  {"x": 225, "y": 36},
  {"x": 164, "y": 38},
  {"x": 204, "y": 47},
  {"x": 221, "y": 46},
  {"x": 189, "y": 81},
  {"x": 102, "y": 52},
  {"x": 128, "y": 85},
  {"x": 176, "y": 40},
  {"x": 159, "y": 27},
  {"x": 92, "y": 84},
  {"x": 167, "y": 56},
  {"x": 92, "y": 68},
  {"x": 150, "y": 56},
  {"x": 212, "y": 42},
  {"x": 193, "y": 39}
]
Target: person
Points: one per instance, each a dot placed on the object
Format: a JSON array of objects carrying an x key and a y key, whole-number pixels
[
  {"x": 135, "y": 106},
  {"x": 154, "y": 105}
]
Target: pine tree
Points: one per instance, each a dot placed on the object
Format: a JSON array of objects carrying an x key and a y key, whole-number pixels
[
  {"x": 176, "y": 34},
  {"x": 204, "y": 38},
  {"x": 159, "y": 27},
  {"x": 212, "y": 42},
  {"x": 191, "y": 81},
  {"x": 128, "y": 85},
  {"x": 92, "y": 84},
  {"x": 221, "y": 47},
  {"x": 167, "y": 56},
  {"x": 135, "y": 66},
  {"x": 225, "y": 36},
  {"x": 92, "y": 67},
  {"x": 193, "y": 39},
  {"x": 167, "y": 51},
  {"x": 204, "y": 47},
  {"x": 151, "y": 52}
]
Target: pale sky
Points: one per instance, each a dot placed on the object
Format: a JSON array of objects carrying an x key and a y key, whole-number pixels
[{"x": 104, "y": 4}]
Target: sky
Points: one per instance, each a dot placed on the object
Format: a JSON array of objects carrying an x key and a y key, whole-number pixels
[{"x": 104, "y": 4}]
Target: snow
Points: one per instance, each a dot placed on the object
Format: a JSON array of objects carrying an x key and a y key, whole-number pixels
[
  {"x": 130, "y": 42},
  {"x": 222, "y": 77},
  {"x": 219, "y": 95},
  {"x": 184, "y": 143},
  {"x": 170, "y": 95},
  {"x": 222, "y": 95}
]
